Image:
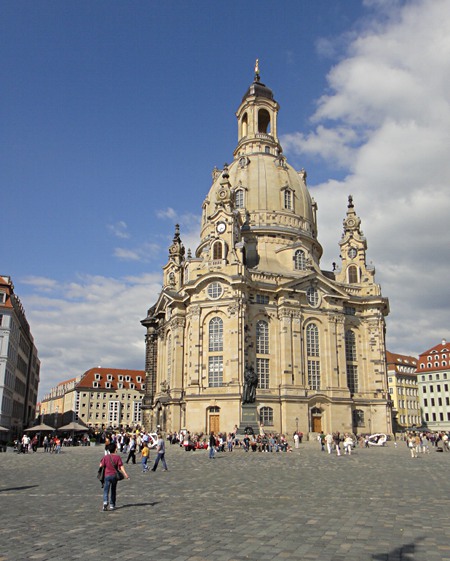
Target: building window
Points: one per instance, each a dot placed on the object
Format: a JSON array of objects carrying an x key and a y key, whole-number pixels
[
  {"x": 114, "y": 412},
  {"x": 137, "y": 412},
  {"x": 217, "y": 251},
  {"x": 299, "y": 260},
  {"x": 312, "y": 353},
  {"x": 358, "y": 418},
  {"x": 169, "y": 360},
  {"x": 287, "y": 199},
  {"x": 352, "y": 272},
  {"x": 215, "y": 290},
  {"x": 216, "y": 335},
  {"x": 215, "y": 371},
  {"x": 262, "y": 299},
  {"x": 239, "y": 198},
  {"x": 262, "y": 337},
  {"x": 262, "y": 369},
  {"x": 350, "y": 356},
  {"x": 349, "y": 311},
  {"x": 312, "y": 296},
  {"x": 266, "y": 416}
]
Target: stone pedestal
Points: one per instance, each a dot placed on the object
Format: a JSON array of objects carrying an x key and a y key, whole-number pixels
[{"x": 249, "y": 418}]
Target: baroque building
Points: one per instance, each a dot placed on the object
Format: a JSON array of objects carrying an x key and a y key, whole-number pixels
[{"x": 253, "y": 296}]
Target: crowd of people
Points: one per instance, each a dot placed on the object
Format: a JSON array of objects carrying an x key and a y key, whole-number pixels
[{"x": 421, "y": 442}]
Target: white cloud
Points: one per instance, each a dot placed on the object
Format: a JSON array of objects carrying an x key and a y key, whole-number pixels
[
  {"x": 386, "y": 119},
  {"x": 119, "y": 229},
  {"x": 142, "y": 253},
  {"x": 166, "y": 213},
  {"x": 90, "y": 321}
]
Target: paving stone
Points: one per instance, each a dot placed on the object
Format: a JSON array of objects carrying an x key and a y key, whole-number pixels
[{"x": 377, "y": 504}]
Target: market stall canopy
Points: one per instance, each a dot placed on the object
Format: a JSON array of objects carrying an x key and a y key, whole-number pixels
[
  {"x": 73, "y": 426},
  {"x": 2, "y": 429},
  {"x": 40, "y": 428}
]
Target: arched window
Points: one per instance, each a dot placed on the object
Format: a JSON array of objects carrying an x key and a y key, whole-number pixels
[
  {"x": 262, "y": 348},
  {"x": 169, "y": 360},
  {"x": 245, "y": 125},
  {"x": 266, "y": 416},
  {"x": 313, "y": 353},
  {"x": 239, "y": 198},
  {"x": 352, "y": 272},
  {"x": 263, "y": 121},
  {"x": 217, "y": 250},
  {"x": 288, "y": 199},
  {"x": 351, "y": 361},
  {"x": 262, "y": 337},
  {"x": 299, "y": 260},
  {"x": 216, "y": 335}
]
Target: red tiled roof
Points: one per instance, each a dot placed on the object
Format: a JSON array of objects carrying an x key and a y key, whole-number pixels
[
  {"x": 111, "y": 376},
  {"x": 436, "y": 358},
  {"x": 397, "y": 360}
]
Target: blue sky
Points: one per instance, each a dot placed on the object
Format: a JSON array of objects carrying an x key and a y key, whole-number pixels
[{"x": 113, "y": 115}]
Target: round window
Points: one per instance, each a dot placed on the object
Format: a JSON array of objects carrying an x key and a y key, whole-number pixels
[{"x": 215, "y": 290}]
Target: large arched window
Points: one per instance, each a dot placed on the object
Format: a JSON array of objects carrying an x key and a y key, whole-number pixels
[
  {"x": 262, "y": 337},
  {"x": 313, "y": 354},
  {"x": 299, "y": 260},
  {"x": 215, "y": 348},
  {"x": 351, "y": 361},
  {"x": 169, "y": 360},
  {"x": 262, "y": 348},
  {"x": 216, "y": 335}
]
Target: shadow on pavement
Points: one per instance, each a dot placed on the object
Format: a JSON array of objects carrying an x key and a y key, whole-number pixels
[
  {"x": 129, "y": 505},
  {"x": 405, "y": 552},
  {"x": 23, "y": 488}
]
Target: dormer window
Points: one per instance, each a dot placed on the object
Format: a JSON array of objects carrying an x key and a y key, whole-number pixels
[
  {"x": 97, "y": 376},
  {"x": 108, "y": 385},
  {"x": 95, "y": 385},
  {"x": 128, "y": 378},
  {"x": 299, "y": 260},
  {"x": 138, "y": 379},
  {"x": 132, "y": 386},
  {"x": 120, "y": 378},
  {"x": 239, "y": 198},
  {"x": 110, "y": 377},
  {"x": 288, "y": 199}
]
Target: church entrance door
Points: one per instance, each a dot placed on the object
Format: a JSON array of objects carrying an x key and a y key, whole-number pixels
[
  {"x": 214, "y": 424},
  {"x": 317, "y": 424}
]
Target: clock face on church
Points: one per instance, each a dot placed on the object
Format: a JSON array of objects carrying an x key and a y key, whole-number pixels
[
  {"x": 352, "y": 253},
  {"x": 221, "y": 227}
]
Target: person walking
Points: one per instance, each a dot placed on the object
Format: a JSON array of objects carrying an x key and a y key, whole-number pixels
[
  {"x": 132, "y": 450},
  {"x": 112, "y": 463},
  {"x": 329, "y": 442},
  {"x": 212, "y": 445},
  {"x": 160, "y": 453}
]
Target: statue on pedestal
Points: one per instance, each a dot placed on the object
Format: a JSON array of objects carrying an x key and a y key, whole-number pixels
[{"x": 250, "y": 385}]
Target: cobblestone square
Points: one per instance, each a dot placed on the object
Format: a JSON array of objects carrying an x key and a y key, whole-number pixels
[{"x": 377, "y": 504}]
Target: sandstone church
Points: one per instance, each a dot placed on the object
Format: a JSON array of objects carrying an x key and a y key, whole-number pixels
[{"x": 253, "y": 295}]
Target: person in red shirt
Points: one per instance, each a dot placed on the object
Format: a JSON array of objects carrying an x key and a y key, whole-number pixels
[{"x": 112, "y": 463}]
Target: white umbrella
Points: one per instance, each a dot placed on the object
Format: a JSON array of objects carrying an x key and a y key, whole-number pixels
[
  {"x": 2, "y": 429},
  {"x": 73, "y": 426}
]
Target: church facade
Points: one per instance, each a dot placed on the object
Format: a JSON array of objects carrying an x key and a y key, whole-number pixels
[{"x": 253, "y": 297}]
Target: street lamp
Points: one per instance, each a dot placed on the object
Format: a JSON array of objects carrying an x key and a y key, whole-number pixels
[{"x": 296, "y": 422}]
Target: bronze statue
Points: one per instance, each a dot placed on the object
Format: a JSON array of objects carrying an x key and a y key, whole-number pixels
[{"x": 250, "y": 385}]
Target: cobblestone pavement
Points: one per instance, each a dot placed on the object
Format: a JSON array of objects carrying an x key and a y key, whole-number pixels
[{"x": 378, "y": 504}]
